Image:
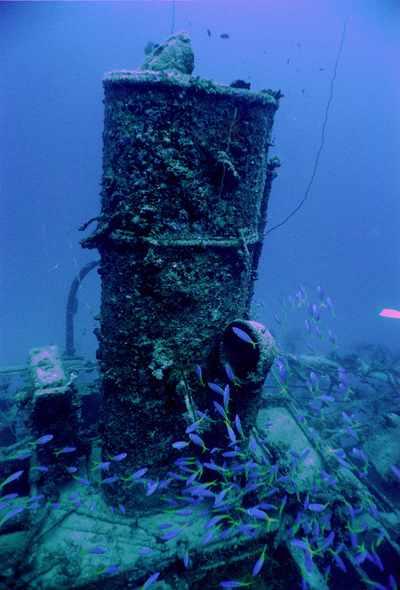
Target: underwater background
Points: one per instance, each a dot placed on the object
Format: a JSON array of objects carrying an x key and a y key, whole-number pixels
[
  {"x": 211, "y": 399},
  {"x": 345, "y": 237}
]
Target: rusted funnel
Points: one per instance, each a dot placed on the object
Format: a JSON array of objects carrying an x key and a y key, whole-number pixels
[
  {"x": 250, "y": 360},
  {"x": 184, "y": 196}
]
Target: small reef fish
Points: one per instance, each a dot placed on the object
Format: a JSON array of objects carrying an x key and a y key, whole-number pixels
[
  {"x": 12, "y": 477},
  {"x": 390, "y": 313},
  {"x": 151, "y": 487},
  {"x": 199, "y": 374},
  {"x": 259, "y": 563},
  {"x": 233, "y": 584},
  {"x": 282, "y": 370},
  {"x": 97, "y": 550},
  {"x": 230, "y": 374},
  {"x": 119, "y": 457},
  {"x": 65, "y": 451},
  {"x": 216, "y": 388},
  {"x": 23, "y": 454},
  {"x": 316, "y": 507},
  {"x": 111, "y": 569},
  {"x": 198, "y": 441},
  {"x": 10, "y": 496},
  {"x": 180, "y": 444},
  {"x": 139, "y": 473},
  {"x": 395, "y": 471},
  {"x": 150, "y": 580},
  {"x": 238, "y": 425},
  {"x": 224, "y": 36},
  {"x": 11, "y": 514},
  {"x": 43, "y": 440},
  {"x": 104, "y": 465},
  {"x": 243, "y": 336}
]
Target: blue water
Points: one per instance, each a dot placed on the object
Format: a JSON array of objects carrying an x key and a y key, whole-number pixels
[
  {"x": 330, "y": 264},
  {"x": 345, "y": 237}
]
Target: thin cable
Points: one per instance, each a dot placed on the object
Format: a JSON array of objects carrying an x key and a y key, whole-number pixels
[
  {"x": 323, "y": 132},
  {"x": 173, "y": 18}
]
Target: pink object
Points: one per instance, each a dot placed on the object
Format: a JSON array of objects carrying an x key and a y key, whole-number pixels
[
  {"x": 257, "y": 326},
  {"x": 49, "y": 376},
  {"x": 390, "y": 313}
]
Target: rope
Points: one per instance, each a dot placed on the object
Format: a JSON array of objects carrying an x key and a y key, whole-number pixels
[
  {"x": 323, "y": 132},
  {"x": 173, "y": 18}
]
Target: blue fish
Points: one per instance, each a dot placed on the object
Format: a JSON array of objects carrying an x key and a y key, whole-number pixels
[
  {"x": 231, "y": 434},
  {"x": 395, "y": 471},
  {"x": 110, "y": 480},
  {"x": 313, "y": 380},
  {"x": 111, "y": 569},
  {"x": 10, "y": 496},
  {"x": 243, "y": 336},
  {"x": 12, "y": 477},
  {"x": 199, "y": 374},
  {"x": 339, "y": 562},
  {"x": 328, "y": 541},
  {"x": 257, "y": 513},
  {"x": 171, "y": 534},
  {"x": 219, "y": 498},
  {"x": 282, "y": 370},
  {"x": 97, "y": 550},
  {"x": 216, "y": 388},
  {"x": 320, "y": 292},
  {"x": 180, "y": 444},
  {"x": 238, "y": 425},
  {"x": 299, "y": 543},
  {"x": 226, "y": 396},
  {"x": 139, "y": 473},
  {"x": 233, "y": 584},
  {"x": 215, "y": 520},
  {"x": 207, "y": 537},
  {"x": 119, "y": 457},
  {"x": 331, "y": 337},
  {"x": 259, "y": 563},
  {"x": 104, "y": 465},
  {"x": 65, "y": 450},
  {"x": 359, "y": 454},
  {"x": 326, "y": 398},
  {"x": 11, "y": 514},
  {"x": 329, "y": 303},
  {"x": 230, "y": 374},
  {"x": 145, "y": 551},
  {"x": 220, "y": 410},
  {"x": 151, "y": 487},
  {"x": 43, "y": 440},
  {"x": 198, "y": 441},
  {"x": 40, "y": 468},
  {"x": 186, "y": 559},
  {"x": 84, "y": 481},
  {"x": 150, "y": 580},
  {"x": 315, "y": 312},
  {"x": 316, "y": 507}
]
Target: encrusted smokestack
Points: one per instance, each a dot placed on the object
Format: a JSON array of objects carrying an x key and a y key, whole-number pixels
[{"x": 184, "y": 196}]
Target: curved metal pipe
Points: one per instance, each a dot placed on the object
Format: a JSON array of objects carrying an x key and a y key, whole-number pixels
[
  {"x": 72, "y": 307},
  {"x": 250, "y": 362}
]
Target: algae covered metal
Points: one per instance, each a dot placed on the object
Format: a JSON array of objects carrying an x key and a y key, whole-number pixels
[{"x": 185, "y": 188}]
